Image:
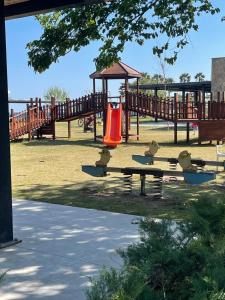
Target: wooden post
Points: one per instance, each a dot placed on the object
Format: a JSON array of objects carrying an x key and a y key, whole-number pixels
[
  {"x": 175, "y": 117},
  {"x": 53, "y": 117},
  {"x": 183, "y": 96},
  {"x": 218, "y": 97},
  {"x": 138, "y": 124},
  {"x": 138, "y": 121},
  {"x": 40, "y": 105},
  {"x": 105, "y": 108},
  {"x": 156, "y": 95},
  {"x": 223, "y": 96},
  {"x": 199, "y": 97},
  {"x": 203, "y": 104},
  {"x": 95, "y": 112},
  {"x": 28, "y": 122},
  {"x": 188, "y": 107},
  {"x": 196, "y": 98},
  {"x": 126, "y": 112},
  {"x": 68, "y": 108},
  {"x": 188, "y": 132},
  {"x": 69, "y": 129}
]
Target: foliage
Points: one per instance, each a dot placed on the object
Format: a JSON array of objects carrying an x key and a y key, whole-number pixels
[
  {"x": 114, "y": 23},
  {"x": 185, "y": 77},
  {"x": 2, "y": 276},
  {"x": 199, "y": 77},
  {"x": 172, "y": 260},
  {"x": 153, "y": 79},
  {"x": 58, "y": 93}
]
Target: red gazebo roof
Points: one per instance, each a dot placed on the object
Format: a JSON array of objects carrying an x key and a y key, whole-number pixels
[{"x": 116, "y": 71}]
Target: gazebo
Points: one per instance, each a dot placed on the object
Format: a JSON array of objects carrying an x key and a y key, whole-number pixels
[
  {"x": 119, "y": 71},
  {"x": 10, "y": 9}
]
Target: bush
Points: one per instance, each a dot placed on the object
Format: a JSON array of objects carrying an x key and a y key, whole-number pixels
[
  {"x": 2, "y": 277},
  {"x": 172, "y": 261}
]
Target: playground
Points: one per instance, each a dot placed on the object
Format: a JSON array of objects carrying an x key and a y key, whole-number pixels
[
  {"x": 71, "y": 186},
  {"x": 85, "y": 170},
  {"x": 57, "y": 161},
  {"x": 111, "y": 193}
]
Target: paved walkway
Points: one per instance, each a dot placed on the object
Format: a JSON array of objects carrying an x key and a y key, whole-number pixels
[{"x": 62, "y": 247}]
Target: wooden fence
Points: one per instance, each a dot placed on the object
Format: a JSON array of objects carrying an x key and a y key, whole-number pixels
[
  {"x": 174, "y": 110},
  {"x": 87, "y": 105}
]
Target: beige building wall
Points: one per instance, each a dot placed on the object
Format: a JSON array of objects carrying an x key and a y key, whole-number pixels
[{"x": 218, "y": 75}]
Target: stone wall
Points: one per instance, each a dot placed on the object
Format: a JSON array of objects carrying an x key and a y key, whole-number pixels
[{"x": 218, "y": 74}]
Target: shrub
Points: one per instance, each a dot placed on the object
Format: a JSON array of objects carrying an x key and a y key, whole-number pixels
[
  {"x": 183, "y": 260},
  {"x": 2, "y": 277}
]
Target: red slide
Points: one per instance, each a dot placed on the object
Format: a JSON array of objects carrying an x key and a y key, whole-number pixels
[{"x": 113, "y": 126}]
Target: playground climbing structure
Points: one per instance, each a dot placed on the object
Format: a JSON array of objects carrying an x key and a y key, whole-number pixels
[
  {"x": 208, "y": 115},
  {"x": 39, "y": 120}
]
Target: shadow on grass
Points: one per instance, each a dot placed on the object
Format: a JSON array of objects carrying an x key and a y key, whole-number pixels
[
  {"x": 62, "y": 142},
  {"x": 98, "y": 144},
  {"x": 111, "y": 195},
  {"x": 182, "y": 143}
]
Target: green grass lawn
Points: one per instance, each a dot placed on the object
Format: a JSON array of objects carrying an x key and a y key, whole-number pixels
[{"x": 50, "y": 171}]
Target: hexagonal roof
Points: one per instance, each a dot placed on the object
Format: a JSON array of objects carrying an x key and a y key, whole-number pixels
[{"x": 116, "y": 71}]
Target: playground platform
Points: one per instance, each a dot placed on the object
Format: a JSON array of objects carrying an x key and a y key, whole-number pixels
[{"x": 62, "y": 247}]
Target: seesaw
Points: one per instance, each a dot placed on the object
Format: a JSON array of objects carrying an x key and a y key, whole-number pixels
[
  {"x": 193, "y": 169},
  {"x": 189, "y": 173}
]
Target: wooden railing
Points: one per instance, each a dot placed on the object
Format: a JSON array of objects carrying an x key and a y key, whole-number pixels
[
  {"x": 150, "y": 105},
  {"x": 87, "y": 105},
  {"x": 29, "y": 120},
  {"x": 36, "y": 116},
  {"x": 174, "y": 110}
]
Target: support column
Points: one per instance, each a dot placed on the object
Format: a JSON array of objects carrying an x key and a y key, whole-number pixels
[
  {"x": 188, "y": 133},
  {"x": 156, "y": 95},
  {"x": 6, "y": 222},
  {"x": 138, "y": 129},
  {"x": 175, "y": 117},
  {"x": 95, "y": 121},
  {"x": 69, "y": 129},
  {"x": 53, "y": 117},
  {"x": 183, "y": 96},
  {"x": 175, "y": 132},
  {"x": 196, "y": 98},
  {"x": 203, "y": 103},
  {"x": 126, "y": 112},
  {"x": 138, "y": 121},
  {"x": 105, "y": 109}
]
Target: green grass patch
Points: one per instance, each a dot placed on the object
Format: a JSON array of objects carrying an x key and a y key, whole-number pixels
[{"x": 50, "y": 171}]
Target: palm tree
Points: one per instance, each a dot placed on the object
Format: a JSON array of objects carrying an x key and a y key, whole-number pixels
[
  {"x": 199, "y": 77},
  {"x": 58, "y": 93},
  {"x": 169, "y": 80},
  {"x": 185, "y": 77},
  {"x": 145, "y": 79},
  {"x": 158, "y": 78}
]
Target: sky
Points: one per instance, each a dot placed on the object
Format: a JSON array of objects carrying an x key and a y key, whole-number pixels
[{"x": 72, "y": 71}]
